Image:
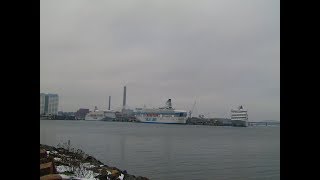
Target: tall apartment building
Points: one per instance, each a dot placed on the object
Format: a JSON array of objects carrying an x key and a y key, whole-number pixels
[
  {"x": 42, "y": 102},
  {"x": 49, "y": 103}
]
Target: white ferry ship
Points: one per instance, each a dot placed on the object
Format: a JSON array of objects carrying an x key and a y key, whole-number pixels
[
  {"x": 96, "y": 115},
  {"x": 164, "y": 115},
  {"x": 239, "y": 117}
]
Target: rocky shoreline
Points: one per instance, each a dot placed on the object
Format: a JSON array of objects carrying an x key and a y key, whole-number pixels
[{"x": 71, "y": 163}]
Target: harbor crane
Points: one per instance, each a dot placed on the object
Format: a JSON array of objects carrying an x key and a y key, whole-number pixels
[{"x": 190, "y": 112}]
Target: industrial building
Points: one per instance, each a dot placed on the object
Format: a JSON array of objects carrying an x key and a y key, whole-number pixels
[{"x": 81, "y": 113}]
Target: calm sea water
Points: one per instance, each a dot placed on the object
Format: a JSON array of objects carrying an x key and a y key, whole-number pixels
[{"x": 160, "y": 151}]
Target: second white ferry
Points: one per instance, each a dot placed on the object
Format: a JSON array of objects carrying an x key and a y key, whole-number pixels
[
  {"x": 164, "y": 115},
  {"x": 96, "y": 115},
  {"x": 239, "y": 117}
]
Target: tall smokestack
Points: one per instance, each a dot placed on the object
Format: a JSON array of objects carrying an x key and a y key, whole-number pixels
[
  {"x": 109, "y": 102},
  {"x": 124, "y": 96}
]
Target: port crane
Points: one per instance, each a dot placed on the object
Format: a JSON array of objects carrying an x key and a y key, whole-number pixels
[{"x": 190, "y": 112}]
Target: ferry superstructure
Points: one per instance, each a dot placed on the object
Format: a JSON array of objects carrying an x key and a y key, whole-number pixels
[
  {"x": 239, "y": 117},
  {"x": 164, "y": 115},
  {"x": 96, "y": 115}
]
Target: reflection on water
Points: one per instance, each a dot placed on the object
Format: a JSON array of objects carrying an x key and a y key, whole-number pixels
[
  {"x": 122, "y": 150},
  {"x": 167, "y": 141}
]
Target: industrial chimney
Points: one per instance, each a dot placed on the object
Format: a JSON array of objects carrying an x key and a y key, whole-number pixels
[
  {"x": 109, "y": 102},
  {"x": 124, "y": 97}
]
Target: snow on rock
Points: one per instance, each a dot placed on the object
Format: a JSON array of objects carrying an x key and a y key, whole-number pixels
[
  {"x": 57, "y": 159},
  {"x": 54, "y": 152},
  {"x": 121, "y": 176},
  {"x": 63, "y": 168},
  {"x": 86, "y": 174},
  {"x": 79, "y": 173},
  {"x": 87, "y": 165}
]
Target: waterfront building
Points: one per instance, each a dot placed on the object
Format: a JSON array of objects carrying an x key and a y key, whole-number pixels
[
  {"x": 49, "y": 104},
  {"x": 81, "y": 113},
  {"x": 42, "y": 103}
]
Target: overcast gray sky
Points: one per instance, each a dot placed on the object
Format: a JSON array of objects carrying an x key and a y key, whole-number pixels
[{"x": 219, "y": 53}]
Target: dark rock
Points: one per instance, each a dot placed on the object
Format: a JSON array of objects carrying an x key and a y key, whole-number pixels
[
  {"x": 129, "y": 177},
  {"x": 89, "y": 158},
  {"x": 104, "y": 172},
  {"x": 113, "y": 176},
  {"x": 96, "y": 169},
  {"x": 114, "y": 168},
  {"x": 47, "y": 168},
  {"x": 102, "y": 177},
  {"x": 93, "y": 161},
  {"x": 99, "y": 162},
  {"x": 44, "y": 160},
  {"x": 43, "y": 153},
  {"x": 141, "y": 178},
  {"x": 51, "y": 177}
]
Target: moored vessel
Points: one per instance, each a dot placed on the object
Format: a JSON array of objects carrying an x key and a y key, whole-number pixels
[
  {"x": 96, "y": 115},
  {"x": 163, "y": 115},
  {"x": 239, "y": 117}
]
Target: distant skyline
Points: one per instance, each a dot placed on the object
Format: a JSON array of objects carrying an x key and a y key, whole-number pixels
[{"x": 221, "y": 54}]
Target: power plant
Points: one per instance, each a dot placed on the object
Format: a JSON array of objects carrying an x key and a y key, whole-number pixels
[
  {"x": 109, "y": 102},
  {"x": 125, "y": 112},
  {"x": 124, "y": 97}
]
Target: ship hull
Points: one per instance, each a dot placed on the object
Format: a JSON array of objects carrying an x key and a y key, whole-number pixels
[
  {"x": 163, "y": 120},
  {"x": 108, "y": 119},
  {"x": 101, "y": 117},
  {"x": 239, "y": 123},
  {"x": 93, "y": 119}
]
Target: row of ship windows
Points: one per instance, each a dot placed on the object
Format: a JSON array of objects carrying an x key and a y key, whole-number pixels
[
  {"x": 155, "y": 119},
  {"x": 156, "y": 115},
  {"x": 163, "y": 115}
]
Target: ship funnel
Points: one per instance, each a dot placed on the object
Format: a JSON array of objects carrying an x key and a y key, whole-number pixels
[
  {"x": 109, "y": 102},
  {"x": 168, "y": 104}
]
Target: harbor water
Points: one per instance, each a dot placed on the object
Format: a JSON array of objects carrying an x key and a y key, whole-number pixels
[{"x": 162, "y": 151}]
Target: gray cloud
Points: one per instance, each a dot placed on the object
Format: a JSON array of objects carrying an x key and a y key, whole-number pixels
[{"x": 219, "y": 53}]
